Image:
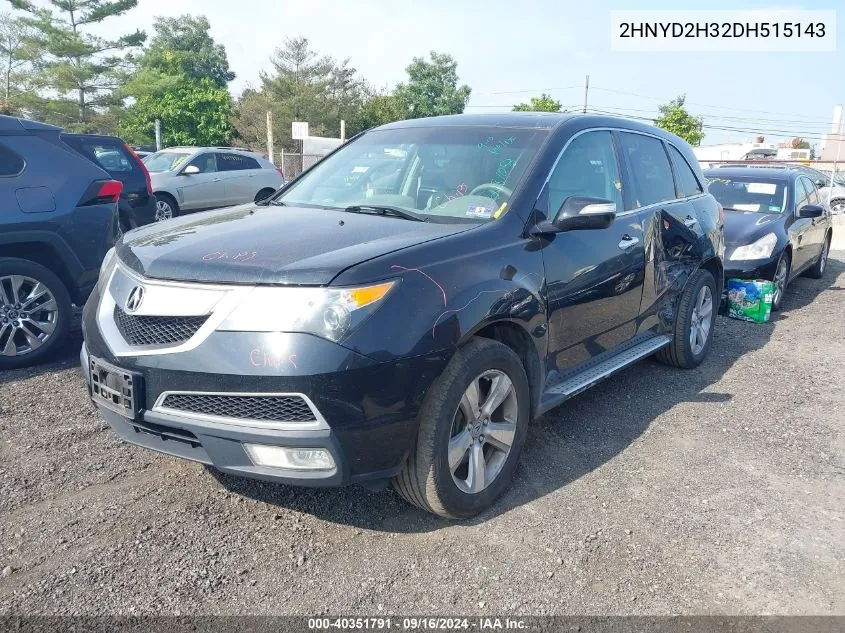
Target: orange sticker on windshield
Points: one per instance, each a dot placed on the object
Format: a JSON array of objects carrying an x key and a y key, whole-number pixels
[{"x": 500, "y": 211}]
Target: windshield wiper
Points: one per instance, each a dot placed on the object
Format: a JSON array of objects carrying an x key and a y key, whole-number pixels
[
  {"x": 275, "y": 203},
  {"x": 382, "y": 209}
]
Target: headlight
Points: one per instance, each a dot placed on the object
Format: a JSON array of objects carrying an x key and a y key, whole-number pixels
[
  {"x": 328, "y": 312},
  {"x": 760, "y": 249},
  {"x": 106, "y": 268}
]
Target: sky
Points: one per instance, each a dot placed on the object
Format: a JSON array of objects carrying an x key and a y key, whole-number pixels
[{"x": 510, "y": 51}]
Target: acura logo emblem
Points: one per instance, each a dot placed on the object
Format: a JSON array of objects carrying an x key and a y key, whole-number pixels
[{"x": 136, "y": 296}]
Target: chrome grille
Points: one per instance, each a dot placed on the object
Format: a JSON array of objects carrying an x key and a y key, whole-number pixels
[
  {"x": 156, "y": 330},
  {"x": 245, "y": 407}
]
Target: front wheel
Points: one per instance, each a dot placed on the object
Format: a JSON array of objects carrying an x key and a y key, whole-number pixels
[
  {"x": 473, "y": 423},
  {"x": 693, "y": 330},
  {"x": 780, "y": 279}
]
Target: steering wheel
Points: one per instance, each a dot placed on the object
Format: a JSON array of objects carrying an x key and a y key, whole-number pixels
[{"x": 492, "y": 186}]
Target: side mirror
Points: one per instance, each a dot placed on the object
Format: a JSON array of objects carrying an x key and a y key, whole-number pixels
[
  {"x": 811, "y": 211},
  {"x": 821, "y": 184},
  {"x": 578, "y": 213},
  {"x": 190, "y": 169}
]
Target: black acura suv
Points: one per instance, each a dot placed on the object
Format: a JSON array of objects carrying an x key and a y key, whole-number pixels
[{"x": 404, "y": 308}]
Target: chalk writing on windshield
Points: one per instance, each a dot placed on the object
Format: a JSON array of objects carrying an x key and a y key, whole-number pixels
[{"x": 494, "y": 147}]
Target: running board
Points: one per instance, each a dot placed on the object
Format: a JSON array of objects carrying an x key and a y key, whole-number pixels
[{"x": 583, "y": 380}]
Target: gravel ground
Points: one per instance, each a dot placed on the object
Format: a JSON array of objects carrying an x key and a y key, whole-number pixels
[{"x": 719, "y": 490}]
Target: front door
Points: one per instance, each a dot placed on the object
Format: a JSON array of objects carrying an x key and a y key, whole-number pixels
[
  {"x": 801, "y": 230},
  {"x": 594, "y": 277},
  {"x": 203, "y": 190}
]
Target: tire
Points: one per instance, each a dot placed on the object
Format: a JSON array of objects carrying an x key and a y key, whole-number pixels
[
  {"x": 680, "y": 352},
  {"x": 817, "y": 270},
  {"x": 785, "y": 261},
  {"x": 166, "y": 207},
  {"x": 125, "y": 223},
  {"x": 264, "y": 194},
  {"x": 53, "y": 314},
  {"x": 427, "y": 480}
]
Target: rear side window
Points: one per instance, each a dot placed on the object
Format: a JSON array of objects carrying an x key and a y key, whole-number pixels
[
  {"x": 112, "y": 157},
  {"x": 236, "y": 162},
  {"x": 10, "y": 163},
  {"x": 685, "y": 180},
  {"x": 650, "y": 171}
]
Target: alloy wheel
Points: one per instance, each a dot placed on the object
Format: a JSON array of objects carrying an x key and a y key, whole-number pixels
[
  {"x": 702, "y": 318},
  {"x": 29, "y": 313},
  {"x": 780, "y": 281},
  {"x": 838, "y": 207},
  {"x": 483, "y": 431},
  {"x": 163, "y": 211}
]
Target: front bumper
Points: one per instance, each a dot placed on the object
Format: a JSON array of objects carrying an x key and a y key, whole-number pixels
[
  {"x": 367, "y": 409},
  {"x": 751, "y": 269}
]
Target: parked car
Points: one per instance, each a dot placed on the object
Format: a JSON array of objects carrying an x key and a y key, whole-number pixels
[
  {"x": 340, "y": 333},
  {"x": 776, "y": 227},
  {"x": 832, "y": 195},
  {"x": 59, "y": 217},
  {"x": 137, "y": 204},
  {"x": 187, "y": 179}
]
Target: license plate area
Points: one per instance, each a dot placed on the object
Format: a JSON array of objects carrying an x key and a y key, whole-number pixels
[{"x": 115, "y": 388}]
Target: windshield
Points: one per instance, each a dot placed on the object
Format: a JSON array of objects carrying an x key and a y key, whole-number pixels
[
  {"x": 165, "y": 161},
  {"x": 444, "y": 174},
  {"x": 753, "y": 195}
]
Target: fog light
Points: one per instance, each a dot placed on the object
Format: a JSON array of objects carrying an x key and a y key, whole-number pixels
[{"x": 290, "y": 458}]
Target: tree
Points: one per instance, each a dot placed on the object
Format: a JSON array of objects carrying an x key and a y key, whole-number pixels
[
  {"x": 432, "y": 87},
  {"x": 674, "y": 118},
  {"x": 78, "y": 63},
  {"x": 543, "y": 103},
  {"x": 192, "y": 112},
  {"x": 19, "y": 51},
  {"x": 303, "y": 86},
  {"x": 184, "y": 46},
  {"x": 378, "y": 110}
]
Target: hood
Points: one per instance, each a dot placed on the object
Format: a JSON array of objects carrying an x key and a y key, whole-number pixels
[
  {"x": 743, "y": 227},
  {"x": 271, "y": 245}
]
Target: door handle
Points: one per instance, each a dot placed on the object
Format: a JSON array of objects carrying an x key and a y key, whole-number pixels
[
  {"x": 628, "y": 241},
  {"x": 215, "y": 180},
  {"x": 690, "y": 222},
  {"x": 252, "y": 175}
]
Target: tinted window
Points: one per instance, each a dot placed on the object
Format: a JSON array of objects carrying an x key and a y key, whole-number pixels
[
  {"x": 748, "y": 194},
  {"x": 801, "y": 195},
  {"x": 587, "y": 167},
  {"x": 236, "y": 162},
  {"x": 650, "y": 171},
  {"x": 206, "y": 163},
  {"x": 10, "y": 163},
  {"x": 112, "y": 157},
  {"x": 685, "y": 180}
]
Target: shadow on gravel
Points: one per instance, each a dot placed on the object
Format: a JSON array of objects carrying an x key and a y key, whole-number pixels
[
  {"x": 566, "y": 443},
  {"x": 64, "y": 356}
]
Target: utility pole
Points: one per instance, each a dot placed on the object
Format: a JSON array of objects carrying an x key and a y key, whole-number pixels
[
  {"x": 586, "y": 90},
  {"x": 158, "y": 135},
  {"x": 342, "y": 131},
  {"x": 270, "y": 137}
]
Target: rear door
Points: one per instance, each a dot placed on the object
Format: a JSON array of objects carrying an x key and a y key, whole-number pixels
[
  {"x": 241, "y": 175},
  {"x": 594, "y": 277},
  {"x": 668, "y": 218},
  {"x": 203, "y": 190}
]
